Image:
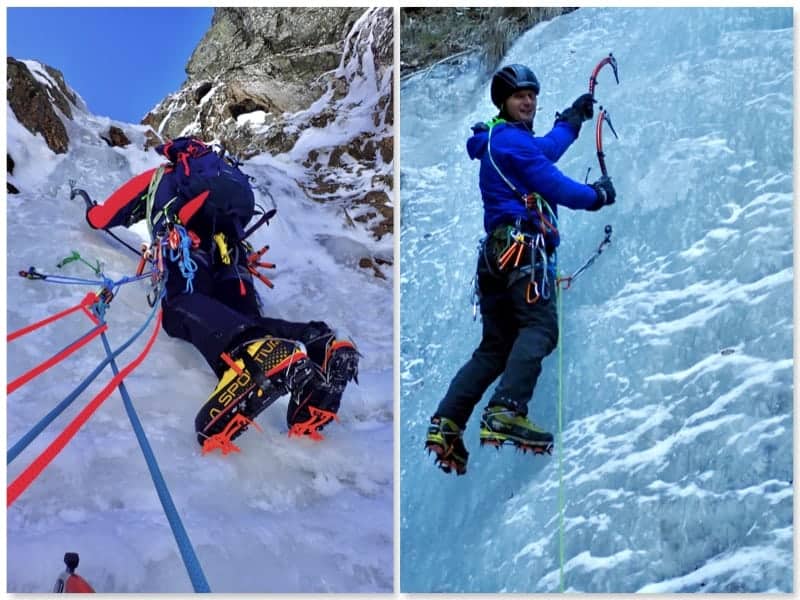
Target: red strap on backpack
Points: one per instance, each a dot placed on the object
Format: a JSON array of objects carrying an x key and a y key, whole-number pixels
[{"x": 77, "y": 585}]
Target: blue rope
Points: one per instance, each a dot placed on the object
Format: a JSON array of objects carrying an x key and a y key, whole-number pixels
[
  {"x": 183, "y": 257},
  {"x": 104, "y": 282},
  {"x": 31, "y": 435},
  {"x": 190, "y": 561},
  {"x": 68, "y": 280}
]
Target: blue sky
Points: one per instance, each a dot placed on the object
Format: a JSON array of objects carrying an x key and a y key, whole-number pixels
[{"x": 122, "y": 61}]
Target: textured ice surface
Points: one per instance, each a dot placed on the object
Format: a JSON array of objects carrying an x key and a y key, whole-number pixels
[{"x": 677, "y": 411}]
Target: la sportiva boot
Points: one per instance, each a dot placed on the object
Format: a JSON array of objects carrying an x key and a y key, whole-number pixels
[
  {"x": 501, "y": 425},
  {"x": 312, "y": 407},
  {"x": 445, "y": 440},
  {"x": 260, "y": 371}
]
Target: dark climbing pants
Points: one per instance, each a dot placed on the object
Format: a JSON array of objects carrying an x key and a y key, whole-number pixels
[
  {"x": 216, "y": 317},
  {"x": 517, "y": 336}
]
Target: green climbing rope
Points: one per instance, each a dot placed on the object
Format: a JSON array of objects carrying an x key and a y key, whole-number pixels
[{"x": 560, "y": 450}]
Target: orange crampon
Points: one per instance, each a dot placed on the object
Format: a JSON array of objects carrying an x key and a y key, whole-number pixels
[
  {"x": 318, "y": 419},
  {"x": 223, "y": 439}
]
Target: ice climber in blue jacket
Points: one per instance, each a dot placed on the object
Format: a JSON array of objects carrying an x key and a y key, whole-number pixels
[{"x": 521, "y": 189}]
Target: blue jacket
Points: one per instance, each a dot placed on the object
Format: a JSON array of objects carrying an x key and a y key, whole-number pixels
[{"x": 529, "y": 163}]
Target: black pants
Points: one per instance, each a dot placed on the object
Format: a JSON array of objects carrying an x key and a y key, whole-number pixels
[
  {"x": 216, "y": 317},
  {"x": 517, "y": 336}
]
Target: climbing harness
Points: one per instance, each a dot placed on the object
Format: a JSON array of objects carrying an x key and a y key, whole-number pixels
[{"x": 544, "y": 221}]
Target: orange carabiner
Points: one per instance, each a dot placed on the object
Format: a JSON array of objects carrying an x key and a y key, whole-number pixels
[
  {"x": 535, "y": 299},
  {"x": 174, "y": 239}
]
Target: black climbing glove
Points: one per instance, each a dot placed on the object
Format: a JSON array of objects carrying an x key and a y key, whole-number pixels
[
  {"x": 584, "y": 104},
  {"x": 581, "y": 110},
  {"x": 606, "y": 194}
]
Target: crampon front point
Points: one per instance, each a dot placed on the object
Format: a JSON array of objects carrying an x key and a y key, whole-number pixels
[{"x": 445, "y": 460}]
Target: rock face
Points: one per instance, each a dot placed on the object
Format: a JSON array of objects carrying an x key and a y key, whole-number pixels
[
  {"x": 10, "y": 188},
  {"x": 37, "y": 97},
  {"x": 434, "y": 34},
  {"x": 310, "y": 85},
  {"x": 357, "y": 170},
  {"x": 251, "y": 59},
  {"x": 116, "y": 137},
  {"x": 263, "y": 77}
]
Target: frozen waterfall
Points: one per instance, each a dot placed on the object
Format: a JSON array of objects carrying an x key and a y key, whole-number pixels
[{"x": 677, "y": 377}]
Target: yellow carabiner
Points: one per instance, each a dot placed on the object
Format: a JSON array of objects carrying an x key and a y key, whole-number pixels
[{"x": 223, "y": 248}]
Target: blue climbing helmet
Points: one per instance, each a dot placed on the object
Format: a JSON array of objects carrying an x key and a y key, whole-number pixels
[{"x": 510, "y": 79}]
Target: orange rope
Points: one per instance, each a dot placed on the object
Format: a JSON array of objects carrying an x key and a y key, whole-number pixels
[{"x": 21, "y": 483}]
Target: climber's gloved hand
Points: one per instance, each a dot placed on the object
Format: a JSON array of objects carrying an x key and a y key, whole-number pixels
[
  {"x": 581, "y": 110},
  {"x": 584, "y": 105},
  {"x": 606, "y": 194}
]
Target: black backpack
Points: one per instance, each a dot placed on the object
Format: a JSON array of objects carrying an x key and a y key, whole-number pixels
[{"x": 230, "y": 202}]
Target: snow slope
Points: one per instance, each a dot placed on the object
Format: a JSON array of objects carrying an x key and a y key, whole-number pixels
[
  {"x": 285, "y": 515},
  {"x": 677, "y": 398}
]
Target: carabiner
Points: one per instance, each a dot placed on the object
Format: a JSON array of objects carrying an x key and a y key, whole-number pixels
[{"x": 536, "y": 296}]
